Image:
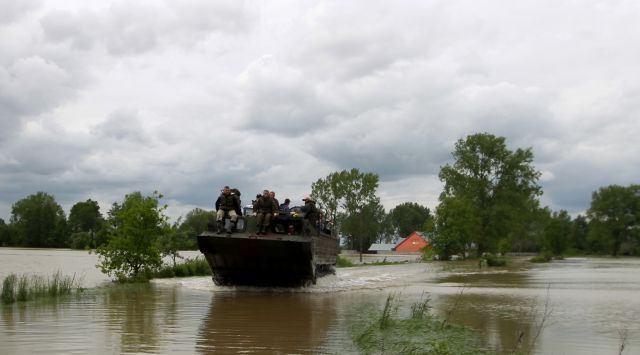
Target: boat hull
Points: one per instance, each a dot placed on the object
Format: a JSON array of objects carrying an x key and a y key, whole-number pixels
[{"x": 271, "y": 260}]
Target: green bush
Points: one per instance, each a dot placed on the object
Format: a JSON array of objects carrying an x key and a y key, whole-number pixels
[
  {"x": 386, "y": 331},
  {"x": 25, "y": 288},
  {"x": 343, "y": 262},
  {"x": 8, "y": 289},
  {"x": 541, "y": 258},
  {"x": 189, "y": 267},
  {"x": 493, "y": 260}
]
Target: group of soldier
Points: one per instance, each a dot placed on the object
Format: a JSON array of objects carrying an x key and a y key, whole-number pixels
[{"x": 265, "y": 207}]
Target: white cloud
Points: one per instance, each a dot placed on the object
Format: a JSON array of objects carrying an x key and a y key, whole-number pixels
[{"x": 99, "y": 99}]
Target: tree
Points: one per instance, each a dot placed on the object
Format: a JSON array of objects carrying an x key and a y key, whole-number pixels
[
  {"x": 135, "y": 227},
  {"x": 557, "y": 233},
  {"x": 348, "y": 192},
  {"x": 498, "y": 185},
  {"x": 409, "y": 217},
  {"x": 4, "y": 234},
  {"x": 579, "y": 233},
  {"x": 195, "y": 222},
  {"x": 85, "y": 224},
  {"x": 368, "y": 223},
  {"x": 455, "y": 226},
  {"x": 39, "y": 222},
  {"x": 614, "y": 215}
]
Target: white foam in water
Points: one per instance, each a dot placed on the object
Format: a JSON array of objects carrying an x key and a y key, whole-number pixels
[{"x": 352, "y": 278}]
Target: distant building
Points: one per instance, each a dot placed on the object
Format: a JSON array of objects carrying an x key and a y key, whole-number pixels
[
  {"x": 411, "y": 244},
  {"x": 381, "y": 248},
  {"x": 414, "y": 243}
]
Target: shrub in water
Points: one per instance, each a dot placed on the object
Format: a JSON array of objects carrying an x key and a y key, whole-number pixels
[{"x": 8, "y": 288}]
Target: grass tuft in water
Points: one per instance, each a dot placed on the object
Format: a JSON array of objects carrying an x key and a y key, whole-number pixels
[
  {"x": 29, "y": 287},
  {"x": 343, "y": 262},
  {"x": 419, "y": 332},
  {"x": 189, "y": 267},
  {"x": 8, "y": 289}
]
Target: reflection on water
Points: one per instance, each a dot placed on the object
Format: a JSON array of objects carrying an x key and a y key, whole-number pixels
[
  {"x": 592, "y": 302},
  {"x": 585, "y": 305},
  {"x": 282, "y": 323}
]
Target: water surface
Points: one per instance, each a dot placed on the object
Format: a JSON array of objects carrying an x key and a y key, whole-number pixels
[{"x": 587, "y": 304}]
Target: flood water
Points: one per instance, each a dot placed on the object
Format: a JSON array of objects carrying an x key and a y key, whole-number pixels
[{"x": 588, "y": 305}]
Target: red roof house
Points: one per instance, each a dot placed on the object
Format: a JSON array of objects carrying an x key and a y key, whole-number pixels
[{"x": 412, "y": 244}]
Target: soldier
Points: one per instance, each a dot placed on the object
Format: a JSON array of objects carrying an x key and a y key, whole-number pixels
[
  {"x": 265, "y": 207},
  {"x": 311, "y": 215},
  {"x": 227, "y": 204}
]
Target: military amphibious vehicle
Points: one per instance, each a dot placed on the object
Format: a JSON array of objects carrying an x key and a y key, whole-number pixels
[{"x": 284, "y": 257}]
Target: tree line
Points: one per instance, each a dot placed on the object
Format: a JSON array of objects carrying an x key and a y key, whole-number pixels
[{"x": 489, "y": 204}]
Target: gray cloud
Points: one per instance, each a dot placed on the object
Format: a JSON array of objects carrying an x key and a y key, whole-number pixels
[{"x": 99, "y": 100}]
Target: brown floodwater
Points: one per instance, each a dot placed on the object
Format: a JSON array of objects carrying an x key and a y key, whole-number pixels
[{"x": 576, "y": 306}]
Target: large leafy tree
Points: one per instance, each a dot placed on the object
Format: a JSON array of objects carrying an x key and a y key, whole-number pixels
[
  {"x": 455, "y": 226},
  {"x": 136, "y": 226},
  {"x": 368, "y": 223},
  {"x": 579, "y": 233},
  {"x": 4, "y": 234},
  {"x": 409, "y": 217},
  {"x": 498, "y": 184},
  {"x": 348, "y": 192},
  {"x": 557, "y": 233},
  {"x": 614, "y": 215},
  {"x": 39, "y": 221},
  {"x": 196, "y": 221},
  {"x": 85, "y": 224}
]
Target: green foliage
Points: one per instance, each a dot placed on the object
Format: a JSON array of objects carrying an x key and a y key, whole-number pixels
[
  {"x": 29, "y": 287},
  {"x": 557, "y": 233},
  {"x": 196, "y": 222},
  {"x": 189, "y": 267},
  {"x": 409, "y": 217},
  {"x": 494, "y": 261},
  {"x": 85, "y": 224},
  {"x": 135, "y": 228},
  {"x": 579, "y": 233},
  {"x": 614, "y": 215},
  {"x": 343, "y": 262},
  {"x": 366, "y": 224},
  {"x": 8, "y": 289},
  {"x": 496, "y": 184},
  {"x": 5, "y": 238},
  {"x": 544, "y": 257},
  {"x": 352, "y": 194},
  {"x": 428, "y": 253},
  {"x": 38, "y": 221},
  {"x": 456, "y": 225},
  {"x": 420, "y": 332}
]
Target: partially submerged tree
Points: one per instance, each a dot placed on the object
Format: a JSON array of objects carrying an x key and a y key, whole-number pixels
[
  {"x": 557, "y": 233},
  {"x": 409, "y": 217},
  {"x": 455, "y": 226},
  {"x": 348, "y": 192},
  {"x": 85, "y": 224},
  {"x": 135, "y": 227},
  {"x": 497, "y": 184},
  {"x": 39, "y": 221},
  {"x": 615, "y": 215}
]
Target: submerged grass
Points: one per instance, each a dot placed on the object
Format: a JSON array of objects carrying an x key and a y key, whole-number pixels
[
  {"x": 29, "y": 287},
  {"x": 419, "y": 332},
  {"x": 189, "y": 267}
]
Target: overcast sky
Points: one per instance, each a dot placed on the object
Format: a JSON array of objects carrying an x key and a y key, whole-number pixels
[{"x": 103, "y": 98}]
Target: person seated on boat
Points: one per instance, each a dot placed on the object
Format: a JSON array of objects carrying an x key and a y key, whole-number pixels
[
  {"x": 265, "y": 207},
  {"x": 285, "y": 206},
  {"x": 311, "y": 214},
  {"x": 273, "y": 197},
  {"x": 227, "y": 204}
]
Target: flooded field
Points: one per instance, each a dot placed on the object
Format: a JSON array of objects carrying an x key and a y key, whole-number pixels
[{"x": 589, "y": 306}]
